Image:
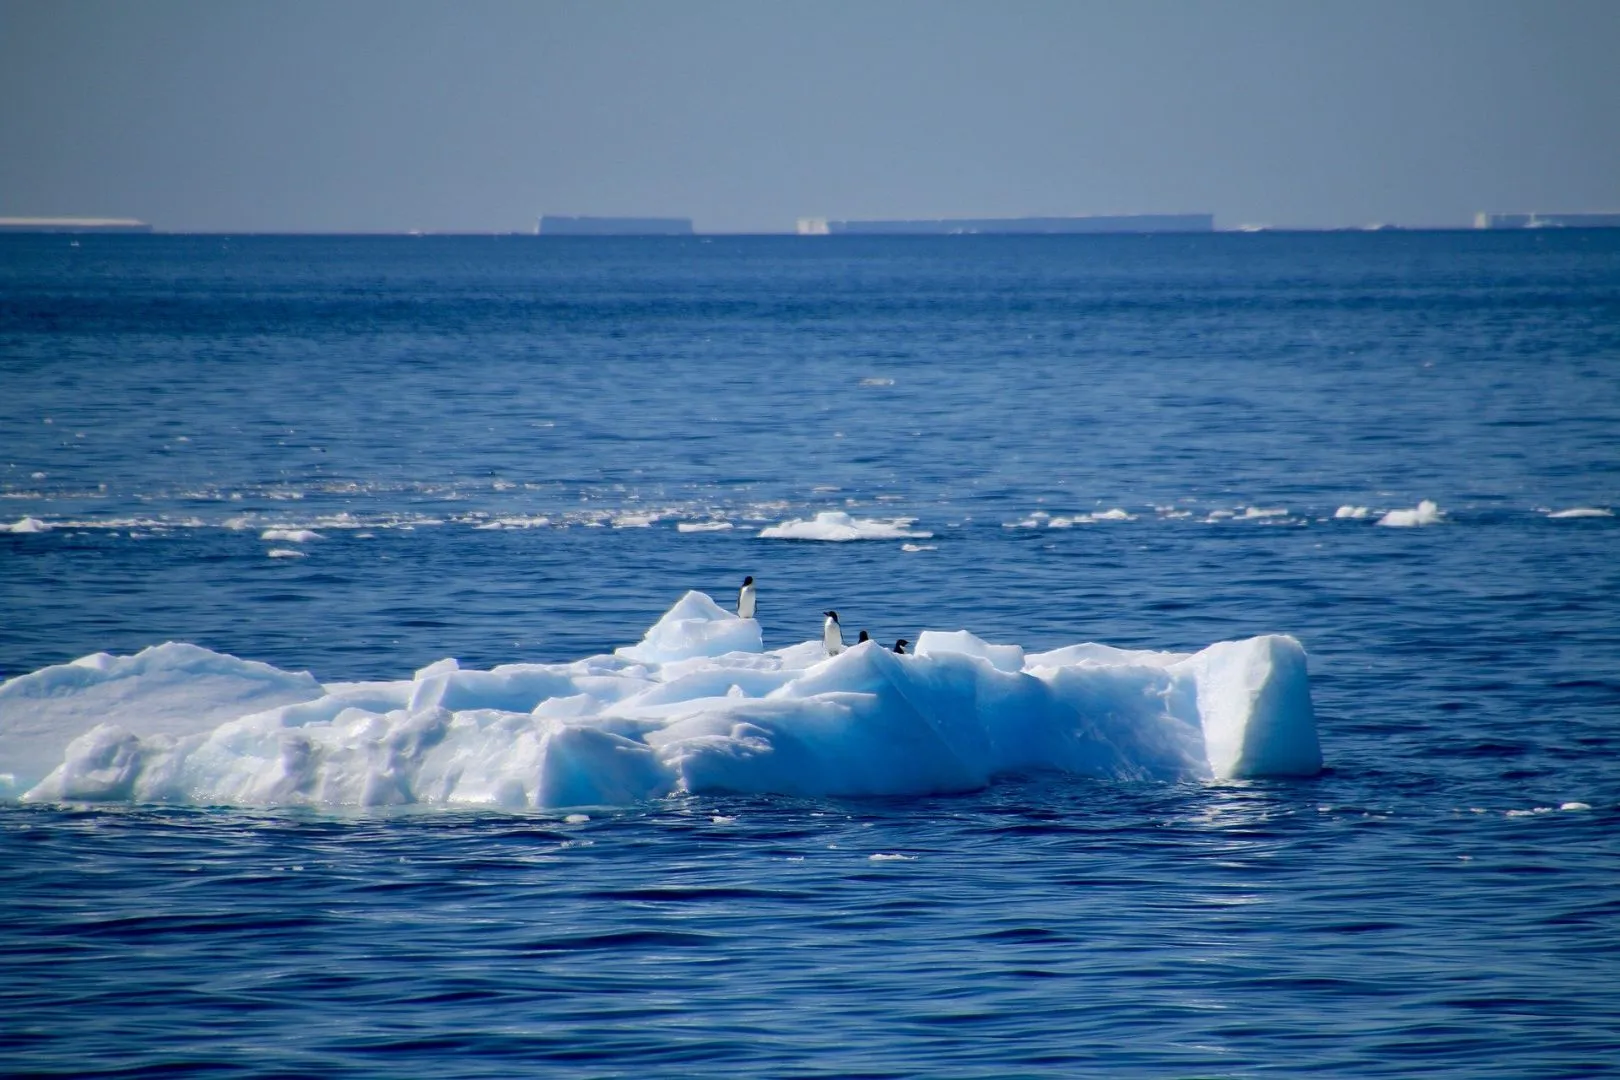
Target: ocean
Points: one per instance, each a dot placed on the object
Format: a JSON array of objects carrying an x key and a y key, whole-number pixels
[{"x": 359, "y": 456}]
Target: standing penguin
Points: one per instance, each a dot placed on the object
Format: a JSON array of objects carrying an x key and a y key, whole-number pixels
[
  {"x": 900, "y": 646},
  {"x": 745, "y": 598},
  {"x": 864, "y": 638},
  {"x": 832, "y": 635}
]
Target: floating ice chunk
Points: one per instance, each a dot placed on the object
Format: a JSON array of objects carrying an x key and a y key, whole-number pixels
[
  {"x": 1426, "y": 513},
  {"x": 695, "y": 626},
  {"x": 635, "y": 521},
  {"x": 1252, "y": 512},
  {"x": 290, "y": 536},
  {"x": 1582, "y": 512},
  {"x": 1355, "y": 513},
  {"x": 26, "y": 525},
  {"x": 696, "y": 707},
  {"x": 836, "y": 525},
  {"x": 1116, "y": 514},
  {"x": 913, "y": 548},
  {"x": 281, "y": 553},
  {"x": 1575, "y": 806},
  {"x": 704, "y": 526}
]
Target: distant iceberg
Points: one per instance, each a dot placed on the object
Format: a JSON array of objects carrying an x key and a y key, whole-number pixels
[{"x": 697, "y": 706}]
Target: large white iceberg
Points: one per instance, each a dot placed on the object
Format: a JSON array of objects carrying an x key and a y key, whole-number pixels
[{"x": 696, "y": 706}]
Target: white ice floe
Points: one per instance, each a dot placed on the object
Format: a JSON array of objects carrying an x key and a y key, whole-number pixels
[
  {"x": 836, "y": 525},
  {"x": 696, "y": 706},
  {"x": 290, "y": 536},
  {"x": 1582, "y": 512},
  {"x": 26, "y": 525},
  {"x": 518, "y": 522},
  {"x": 1042, "y": 519},
  {"x": 1355, "y": 513},
  {"x": 1426, "y": 513},
  {"x": 703, "y": 526},
  {"x": 282, "y": 553}
]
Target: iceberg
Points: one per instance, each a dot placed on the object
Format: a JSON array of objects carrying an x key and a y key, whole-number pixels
[{"x": 697, "y": 706}]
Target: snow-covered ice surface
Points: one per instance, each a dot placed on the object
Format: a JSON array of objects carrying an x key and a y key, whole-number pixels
[{"x": 697, "y": 706}]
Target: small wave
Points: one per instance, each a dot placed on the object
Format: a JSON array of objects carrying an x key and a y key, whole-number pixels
[
  {"x": 26, "y": 525},
  {"x": 286, "y": 553},
  {"x": 291, "y": 536},
  {"x": 1582, "y": 512}
]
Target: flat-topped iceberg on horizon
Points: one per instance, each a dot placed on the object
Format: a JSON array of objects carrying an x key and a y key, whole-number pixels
[{"x": 697, "y": 706}]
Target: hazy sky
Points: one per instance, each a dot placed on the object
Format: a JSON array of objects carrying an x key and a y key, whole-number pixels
[{"x": 476, "y": 116}]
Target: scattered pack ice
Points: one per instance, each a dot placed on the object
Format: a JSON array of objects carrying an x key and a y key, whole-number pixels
[
  {"x": 837, "y": 525},
  {"x": 696, "y": 706}
]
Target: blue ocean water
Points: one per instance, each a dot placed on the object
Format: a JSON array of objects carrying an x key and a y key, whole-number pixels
[{"x": 1428, "y": 903}]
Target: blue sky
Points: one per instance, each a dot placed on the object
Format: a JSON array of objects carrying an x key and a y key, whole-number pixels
[{"x": 389, "y": 116}]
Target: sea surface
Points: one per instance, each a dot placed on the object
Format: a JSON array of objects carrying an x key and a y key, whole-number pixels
[{"x": 498, "y": 441}]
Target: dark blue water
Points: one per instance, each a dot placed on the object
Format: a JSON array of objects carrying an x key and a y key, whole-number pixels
[{"x": 1426, "y": 904}]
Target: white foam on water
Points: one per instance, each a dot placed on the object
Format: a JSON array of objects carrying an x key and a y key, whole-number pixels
[
  {"x": 283, "y": 553},
  {"x": 1582, "y": 512},
  {"x": 703, "y": 526},
  {"x": 26, "y": 525},
  {"x": 839, "y": 526},
  {"x": 696, "y": 706},
  {"x": 291, "y": 536}
]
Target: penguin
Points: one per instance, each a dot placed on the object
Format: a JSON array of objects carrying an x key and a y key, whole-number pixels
[
  {"x": 832, "y": 635},
  {"x": 745, "y": 598},
  {"x": 865, "y": 637},
  {"x": 900, "y": 646}
]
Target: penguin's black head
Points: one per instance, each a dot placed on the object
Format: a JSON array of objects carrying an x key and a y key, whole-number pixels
[
  {"x": 749, "y": 580},
  {"x": 864, "y": 637},
  {"x": 900, "y": 646},
  {"x": 833, "y": 615}
]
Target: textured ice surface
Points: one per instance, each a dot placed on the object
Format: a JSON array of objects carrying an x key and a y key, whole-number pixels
[{"x": 696, "y": 706}]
